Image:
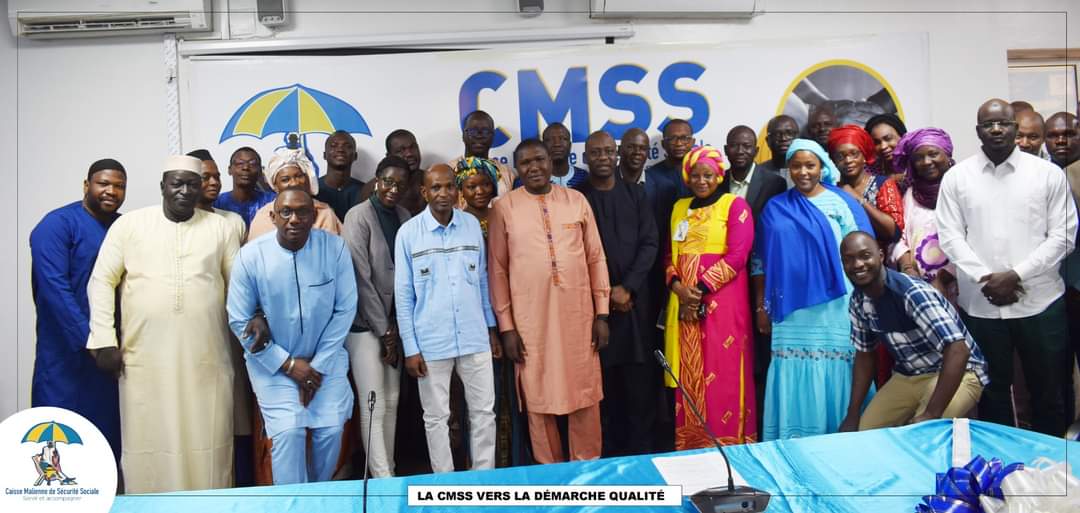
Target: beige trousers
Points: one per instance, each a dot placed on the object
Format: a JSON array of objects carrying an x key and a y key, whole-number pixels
[{"x": 904, "y": 397}]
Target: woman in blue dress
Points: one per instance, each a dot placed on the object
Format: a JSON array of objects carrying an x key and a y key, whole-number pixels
[{"x": 805, "y": 305}]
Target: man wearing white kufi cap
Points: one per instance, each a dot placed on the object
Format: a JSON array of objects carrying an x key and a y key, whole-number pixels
[
  {"x": 170, "y": 265},
  {"x": 290, "y": 169}
]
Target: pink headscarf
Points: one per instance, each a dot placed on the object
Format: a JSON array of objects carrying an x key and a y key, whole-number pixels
[{"x": 703, "y": 155}]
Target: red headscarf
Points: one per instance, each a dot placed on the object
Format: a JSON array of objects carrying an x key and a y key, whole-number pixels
[{"x": 853, "y": 134}]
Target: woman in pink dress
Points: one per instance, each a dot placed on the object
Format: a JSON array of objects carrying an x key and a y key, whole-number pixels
[{"x": 708, "y": 337}]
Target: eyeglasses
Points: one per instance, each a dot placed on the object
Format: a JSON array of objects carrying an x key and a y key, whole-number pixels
[
  {"x": 302, "y": 214},
  {"x": 390, "y": 184},
  {"x": 680, "y": 139},
  {"x": 479, "y": 132},
  {"x": 602, "y": 152},
  {"x": 989, "y": 125}
]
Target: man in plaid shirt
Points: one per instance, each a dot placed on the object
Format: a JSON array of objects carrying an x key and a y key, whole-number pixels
[{"x": 939, "y": 371}]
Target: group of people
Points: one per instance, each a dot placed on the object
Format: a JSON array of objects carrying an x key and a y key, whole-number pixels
[{"x": 859, "y": 278}]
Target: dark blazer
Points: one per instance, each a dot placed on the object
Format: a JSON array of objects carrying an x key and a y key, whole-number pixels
[
  {"x": 373, "y": 263},
  {"x": 763, "y": 186}
]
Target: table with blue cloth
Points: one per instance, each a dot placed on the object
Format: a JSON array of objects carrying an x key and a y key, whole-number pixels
[{"x": 880, "y": 471}]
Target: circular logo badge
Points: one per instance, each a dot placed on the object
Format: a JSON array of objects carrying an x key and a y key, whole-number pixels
[{"x": 55, "y": 460}]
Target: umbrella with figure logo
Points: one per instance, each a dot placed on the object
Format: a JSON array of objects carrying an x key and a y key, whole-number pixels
[
  {"x": 294, "y": 110},
  {"x": 47, "y": 462}
]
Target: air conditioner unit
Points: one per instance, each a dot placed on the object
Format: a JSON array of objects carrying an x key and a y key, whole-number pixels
[
  {"x": 48, "y": 19},
  {"x": 676, "y": 9}
]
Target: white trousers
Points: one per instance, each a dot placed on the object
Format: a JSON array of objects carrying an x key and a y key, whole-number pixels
[
  {"x": 476, "y": 374},
  {"x": 371, "y": 374},
  {"x": 291, "y": 462}
]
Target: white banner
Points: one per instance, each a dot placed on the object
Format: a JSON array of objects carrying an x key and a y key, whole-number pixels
[
  {"x": 471, "y": 496},
  {"x": 611, "y": 87}
]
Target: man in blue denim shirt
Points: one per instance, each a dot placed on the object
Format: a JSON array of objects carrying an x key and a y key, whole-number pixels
[{"x": 445, "y": 319}]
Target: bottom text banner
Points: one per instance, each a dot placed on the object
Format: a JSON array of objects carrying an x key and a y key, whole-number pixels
[{"x": 554, "y": 495}]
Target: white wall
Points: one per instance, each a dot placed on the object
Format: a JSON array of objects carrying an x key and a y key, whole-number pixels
[
  {"x": 80, "y": 100},
  {"x": 10, "y": 243}
]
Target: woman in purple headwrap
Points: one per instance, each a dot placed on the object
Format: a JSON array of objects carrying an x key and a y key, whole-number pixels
[{"x": 924, "y": 156}]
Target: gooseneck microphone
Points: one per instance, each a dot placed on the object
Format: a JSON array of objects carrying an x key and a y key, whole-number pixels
[
  {"x": 693, "y": 407},
  {"x": 719, "y": 499},
  {"x": 367, "y": 456}
]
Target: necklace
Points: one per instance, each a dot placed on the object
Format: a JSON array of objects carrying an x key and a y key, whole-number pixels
[{"x": 862, "y": 182}]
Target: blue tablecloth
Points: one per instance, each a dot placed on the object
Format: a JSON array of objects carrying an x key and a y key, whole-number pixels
[{"x": 886, "y": 470}]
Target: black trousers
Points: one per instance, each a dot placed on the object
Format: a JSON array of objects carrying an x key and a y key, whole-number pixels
[
  {"x": 1042, "y": 342},
  {"x": 628, "y": 411}
]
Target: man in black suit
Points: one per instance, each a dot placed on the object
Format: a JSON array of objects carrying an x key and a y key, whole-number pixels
[
  {"x": 779, "y": 133},
  {"x": 660, "y": 194},
  {"x": 756, "y": 186},
  {"x": 742, "y": 180}
]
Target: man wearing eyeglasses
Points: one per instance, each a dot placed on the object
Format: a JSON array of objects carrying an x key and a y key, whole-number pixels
[
  {"x": 779, "y": 133},
  {"x": 245, "y": 198},
  {"x": 1006, "y": 219},
  {"x": 303, "y": 281},
  {"x": 478, "y": 134},
  {"x": 678, "y": 138}
]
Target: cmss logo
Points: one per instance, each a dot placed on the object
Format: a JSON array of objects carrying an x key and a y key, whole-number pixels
[
  {"x": 572, "y": 97},
  {"x": 55, "y": 461}
]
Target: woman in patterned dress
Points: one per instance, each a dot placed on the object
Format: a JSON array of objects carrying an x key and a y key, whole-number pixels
[{"x": 708, "y": 337}]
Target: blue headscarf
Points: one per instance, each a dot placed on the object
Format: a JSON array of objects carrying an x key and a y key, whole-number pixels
[
  {"x": 796, "y": 244},
  {"x": 829, "y": 174}
]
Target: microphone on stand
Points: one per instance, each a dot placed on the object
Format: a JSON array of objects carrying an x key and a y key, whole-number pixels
[
  {"x": 720, "y": 499},
  {"x": 367, "y": 456}
]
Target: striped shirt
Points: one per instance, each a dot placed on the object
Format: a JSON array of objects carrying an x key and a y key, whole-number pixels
[
  {"x": 916, "y": 322},
  {"x": 441, "y": 287}
]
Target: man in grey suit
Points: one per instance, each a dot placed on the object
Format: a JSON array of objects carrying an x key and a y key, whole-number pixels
[
  {"x": 756, "y": 186},
  {"x": 373, "y": 343}
]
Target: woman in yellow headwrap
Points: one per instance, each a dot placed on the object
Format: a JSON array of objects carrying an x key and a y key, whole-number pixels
[
  {"x": 707, "y": 336},
  {"x": 477, "y": 179}
]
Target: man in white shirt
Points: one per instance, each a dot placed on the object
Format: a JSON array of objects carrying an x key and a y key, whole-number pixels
[
  {"x": 1030, "y": 132},
  {"x": 1006, "y": 219}
]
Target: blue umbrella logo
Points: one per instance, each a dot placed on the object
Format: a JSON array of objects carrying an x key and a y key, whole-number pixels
[
  {"x": 47, "y": 462},
  {"x": 295, "y": 109}
]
